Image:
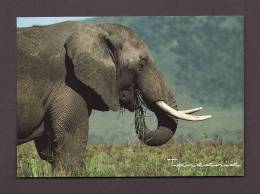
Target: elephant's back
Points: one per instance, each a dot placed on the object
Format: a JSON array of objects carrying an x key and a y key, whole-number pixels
[
  {"x": 40, "y": 59},
  {"x": 40, "y": 51},
  {"x": 38, "y": 41}
]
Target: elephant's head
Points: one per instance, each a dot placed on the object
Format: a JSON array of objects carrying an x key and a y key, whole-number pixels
[{"x": 114, "y": 62}]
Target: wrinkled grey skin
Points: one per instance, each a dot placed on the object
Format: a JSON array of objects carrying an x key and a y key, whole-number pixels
[{"x": 66, "y": 70}]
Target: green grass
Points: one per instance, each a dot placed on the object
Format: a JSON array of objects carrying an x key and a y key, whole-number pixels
[{"x": 109, "y": 160}]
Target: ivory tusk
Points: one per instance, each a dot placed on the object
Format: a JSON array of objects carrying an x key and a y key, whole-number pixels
[
  {"x": 181, "y": 114},
  {"x": 191, "y": 110}
]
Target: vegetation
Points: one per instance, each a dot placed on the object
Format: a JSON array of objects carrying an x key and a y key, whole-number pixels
[{"x": 109, "y": 160}]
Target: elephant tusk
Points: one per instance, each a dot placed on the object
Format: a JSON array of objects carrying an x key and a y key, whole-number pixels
[
  {"x": 182, "y": 114},
  {"x": 191, "y": 110}
]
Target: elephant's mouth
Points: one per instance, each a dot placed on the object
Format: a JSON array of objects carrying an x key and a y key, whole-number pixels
[{"x": 128, "y": 105}]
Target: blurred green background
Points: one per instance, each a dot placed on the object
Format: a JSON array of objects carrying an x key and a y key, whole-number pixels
[{"x": 202, "y": 59}]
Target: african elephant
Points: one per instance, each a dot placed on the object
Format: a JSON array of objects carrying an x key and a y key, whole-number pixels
[{"x": 66, "y": 70}]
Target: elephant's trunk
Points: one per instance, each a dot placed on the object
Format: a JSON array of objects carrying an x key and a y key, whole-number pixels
[
  {"x": 166, "y": 124},
  {"x": 158, "y": 97}
]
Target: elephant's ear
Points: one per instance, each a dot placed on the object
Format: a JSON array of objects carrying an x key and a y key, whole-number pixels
[{"x": 93, "y": 57}]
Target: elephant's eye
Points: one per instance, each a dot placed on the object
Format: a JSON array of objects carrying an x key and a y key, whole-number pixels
[
  {"x": 142, "y": 62},
  {"x": 141, "y": 65}
]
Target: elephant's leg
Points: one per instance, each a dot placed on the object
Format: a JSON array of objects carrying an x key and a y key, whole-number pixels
[
  {"x": 69, "y": 149},
  {"x": 67, "y": 123},
  {"x": 42, "y": 144}
]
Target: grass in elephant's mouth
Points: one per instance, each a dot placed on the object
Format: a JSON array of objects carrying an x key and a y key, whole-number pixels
[
  {"x": 140, "y": 112},
  {"x": 109, "y": 160}
]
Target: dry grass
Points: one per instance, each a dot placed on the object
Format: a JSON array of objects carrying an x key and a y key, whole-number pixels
[{"x": 109, "y": 160}]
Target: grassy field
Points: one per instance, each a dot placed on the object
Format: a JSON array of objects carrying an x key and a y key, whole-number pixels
[{"x": 109, "y": 160}]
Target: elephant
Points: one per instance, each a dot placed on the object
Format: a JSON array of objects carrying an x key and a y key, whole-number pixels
[{"x": 66, "y": 70}]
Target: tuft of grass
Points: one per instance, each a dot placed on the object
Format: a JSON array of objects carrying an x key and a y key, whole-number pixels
[
  {"x": 140, "y": 112},
  {"x": 126, "y": 160}
]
